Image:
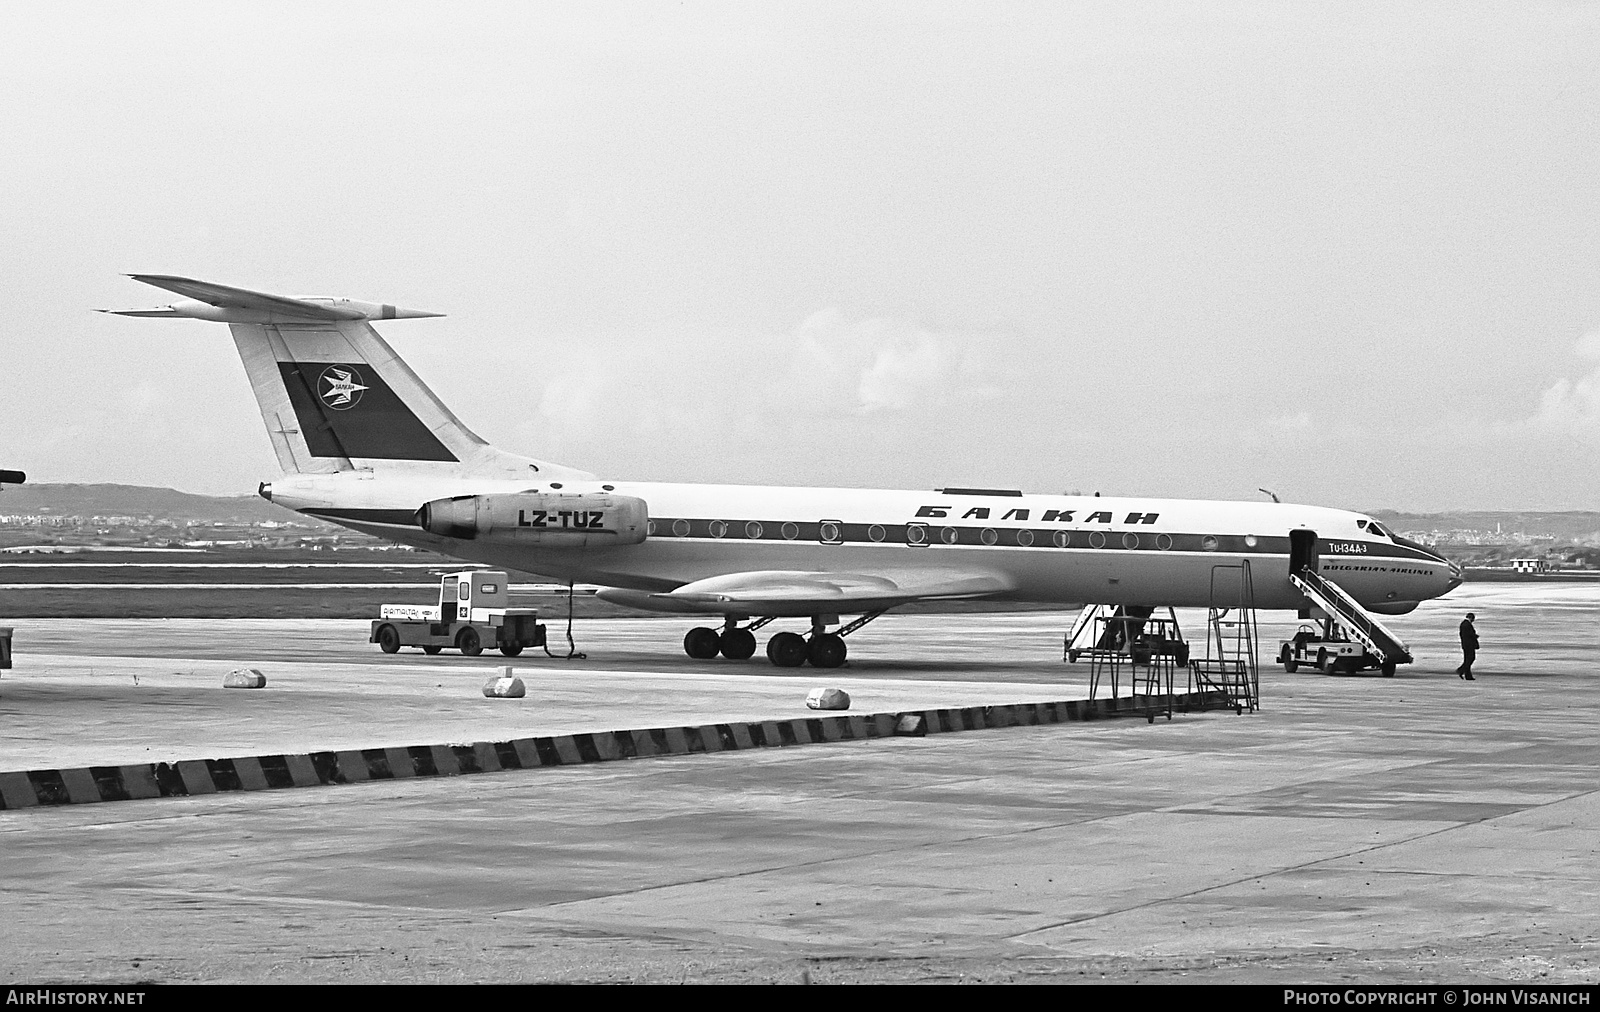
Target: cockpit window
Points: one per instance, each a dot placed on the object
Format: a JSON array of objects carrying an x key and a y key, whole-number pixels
[
  {"x": 1361, "y": 524},
  {"x": 1373, "y": 528}
]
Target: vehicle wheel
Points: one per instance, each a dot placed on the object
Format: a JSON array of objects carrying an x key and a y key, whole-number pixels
[
  {"x": 787, "y": 650},
  {"x": 511, "y": 649},
  {"x": 1388, "y": 669},
  {"x": 1181, "y": 655},
  {"x": 826, "y": 650},
  {"x": 701, "y": 643},
  {"x": 431, "y": 650},
  {"x": 737, "y": 644},
  {"x": 388, "y": 639},
  {"x": 1290, "y": 667},
  {"x": 1322, "y": 661},
  {"x": 468, "y": 643}
]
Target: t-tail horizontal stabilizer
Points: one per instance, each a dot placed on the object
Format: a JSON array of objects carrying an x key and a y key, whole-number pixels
[
  {"x": 334, "y": 396},
  {"x": 225, "y": 304}
]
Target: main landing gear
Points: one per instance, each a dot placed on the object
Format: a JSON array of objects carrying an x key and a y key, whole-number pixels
[{"x": 822, "y": 649}]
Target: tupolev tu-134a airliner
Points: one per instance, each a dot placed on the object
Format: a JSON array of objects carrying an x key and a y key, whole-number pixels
[{"x": 363, "y": 442}]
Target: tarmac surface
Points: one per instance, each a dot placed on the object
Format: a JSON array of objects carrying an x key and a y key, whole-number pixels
[{"x": 1414, "y": 829}]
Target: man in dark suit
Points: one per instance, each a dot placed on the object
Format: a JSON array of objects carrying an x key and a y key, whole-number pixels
[{"x": 1469, "y": 647}]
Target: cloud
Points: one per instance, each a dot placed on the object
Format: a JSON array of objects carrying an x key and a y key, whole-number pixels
[
  {"x": 1572, "y": 407},
  {"x": 888, "y": 365},
  {"x": 696, "y": 395}
]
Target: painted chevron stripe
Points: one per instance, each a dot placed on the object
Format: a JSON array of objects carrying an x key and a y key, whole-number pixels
[{"x": 187, "y": 778}]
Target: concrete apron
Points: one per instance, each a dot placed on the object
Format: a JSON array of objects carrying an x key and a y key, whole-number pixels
[{"x": 185, "y": 778}]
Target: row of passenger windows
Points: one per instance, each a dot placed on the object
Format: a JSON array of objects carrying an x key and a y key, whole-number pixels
[{"x": 917, "y": 534}]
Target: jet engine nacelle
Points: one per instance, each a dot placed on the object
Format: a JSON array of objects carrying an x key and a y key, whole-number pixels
[{"x": 534, "y": 518}]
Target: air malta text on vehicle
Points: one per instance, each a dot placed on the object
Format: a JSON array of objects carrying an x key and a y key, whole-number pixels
[{"x": 1048, "y": 516}]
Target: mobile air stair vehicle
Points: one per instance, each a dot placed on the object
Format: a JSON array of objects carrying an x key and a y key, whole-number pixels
[{"x": 1347, "y": 638}]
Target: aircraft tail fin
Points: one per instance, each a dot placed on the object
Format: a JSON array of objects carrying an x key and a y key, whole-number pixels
[{"x": 333, "y": 394}]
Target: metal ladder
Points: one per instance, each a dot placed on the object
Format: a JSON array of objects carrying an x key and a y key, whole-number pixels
[{"x": 1230, "y": 666}]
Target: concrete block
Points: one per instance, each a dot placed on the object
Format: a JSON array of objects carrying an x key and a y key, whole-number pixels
[
  {"x": 140, "y": 782},
  {"x": 505, "y": 685},
  {"x": 677, "y": 742},
  {"x": 196, "y": 777},
  {"x": 251, "y": 778},
  {"x": 244, "y": 678},
  {"x": 527, "y": 750},
  {"x": 353, "y": 767},
  {"x": 301, "y": 771},
  {"x": 911, "y": 725},
  {"x": 646, "y": 744},
  {"x": 828, "y": 699},
  {"x": 444, "y": 761},
  {"x": 400, "y": 764},
  {"x": 17, "y": 790}
]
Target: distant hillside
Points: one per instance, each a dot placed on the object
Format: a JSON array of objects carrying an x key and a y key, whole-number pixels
[
  {"x": 1565, "y": 526},
  {"x": 138, "y": 501}
]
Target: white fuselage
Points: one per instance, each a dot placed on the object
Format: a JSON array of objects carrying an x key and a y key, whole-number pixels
[{"x": 1068, "y": 549}]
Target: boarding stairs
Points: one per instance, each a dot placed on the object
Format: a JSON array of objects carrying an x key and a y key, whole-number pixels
[
  {"x": 1229, "y": 672},
  {"x": 1343, "y": 609},
  {"x": 1103, "y": 627}
]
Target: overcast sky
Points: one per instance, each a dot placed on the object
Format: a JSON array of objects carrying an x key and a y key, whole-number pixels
[{"x": 1350, "y": 253}]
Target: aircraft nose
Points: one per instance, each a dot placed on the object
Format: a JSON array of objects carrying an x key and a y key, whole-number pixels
[{"x": 1456, "y": 576}]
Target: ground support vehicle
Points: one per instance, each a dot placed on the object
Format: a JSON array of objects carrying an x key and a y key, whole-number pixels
[
  {"x": 472, "y": 613},
  {"x": 1331, "y": 650}
]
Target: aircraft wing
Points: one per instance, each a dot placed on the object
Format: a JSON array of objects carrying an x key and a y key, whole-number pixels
[{"x": 788, "y": 592}]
